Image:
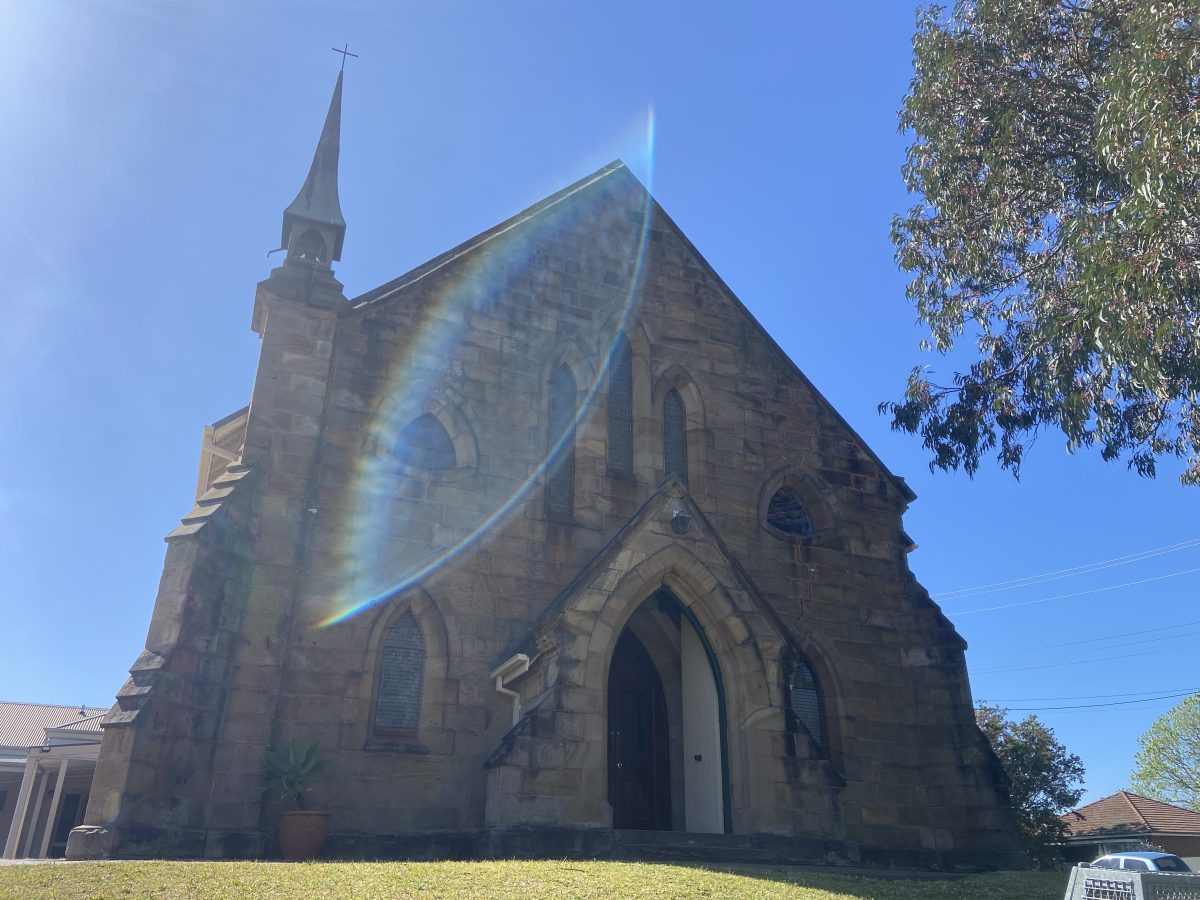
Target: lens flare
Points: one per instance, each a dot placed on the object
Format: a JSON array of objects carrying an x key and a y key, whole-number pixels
[{"x": 371, "y": 532}]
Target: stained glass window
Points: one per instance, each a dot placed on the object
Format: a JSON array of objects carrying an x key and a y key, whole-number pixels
[
  {"x": 787, "y": 513},
  {"x": 401, "y": 665},
  {"x": 425, "y": 444},
  {"x": 560, "y": 487},
  {"x": 806, "y": 703},
  {"x": 620, "y": 407},
  {"x": 675, "y": 435}
]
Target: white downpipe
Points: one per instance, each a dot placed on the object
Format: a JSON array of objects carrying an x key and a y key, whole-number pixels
[{"x": 517, "y": 665}]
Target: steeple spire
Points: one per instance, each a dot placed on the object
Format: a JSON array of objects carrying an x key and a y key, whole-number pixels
[{"x": 313, "y": 227}]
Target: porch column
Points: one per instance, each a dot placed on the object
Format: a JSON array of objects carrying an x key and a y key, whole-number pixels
[
  {"x": 58, "y": 788},
  {"x": 39, "y": 790},
  {"x": 18, "y": 820}
]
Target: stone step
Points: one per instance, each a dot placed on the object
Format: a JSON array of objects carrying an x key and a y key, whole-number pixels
[{"x": 682, "y": 838}]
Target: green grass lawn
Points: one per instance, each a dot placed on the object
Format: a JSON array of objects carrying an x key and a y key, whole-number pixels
[{"x": 527, "y": 880}]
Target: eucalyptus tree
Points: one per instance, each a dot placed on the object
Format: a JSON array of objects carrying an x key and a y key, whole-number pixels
[{"x": 1054, "y": 248}]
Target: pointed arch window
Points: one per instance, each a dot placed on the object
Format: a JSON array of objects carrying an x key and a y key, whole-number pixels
[
  {"x": 805, "y": 700},
  {"x": 560, "y": 485},
  {"x": 620, "y": 407},
  {"x": 401, "y": 671},
  {"x": 425, "y": 444},
  {"x": 675, "y": 435}
]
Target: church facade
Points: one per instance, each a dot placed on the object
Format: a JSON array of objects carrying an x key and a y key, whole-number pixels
[{"x": 547, "y": 544}]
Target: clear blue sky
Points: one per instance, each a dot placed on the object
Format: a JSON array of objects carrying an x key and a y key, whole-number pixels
[{"x": 150, "y": 148}]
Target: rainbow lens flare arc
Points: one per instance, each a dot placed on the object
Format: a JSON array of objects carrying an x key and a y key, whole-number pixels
[{"x": 420, "y": 378}]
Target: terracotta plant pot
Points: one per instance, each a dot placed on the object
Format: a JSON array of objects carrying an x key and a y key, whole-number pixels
[{"x": 302, "y": 832}]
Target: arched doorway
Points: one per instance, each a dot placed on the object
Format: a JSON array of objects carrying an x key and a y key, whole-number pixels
[
  {"x": 639, "y": 772},
  {"x": 666, "y": 746}
]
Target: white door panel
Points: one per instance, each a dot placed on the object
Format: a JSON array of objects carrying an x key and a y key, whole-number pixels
[{"x": 702, "y": 789}]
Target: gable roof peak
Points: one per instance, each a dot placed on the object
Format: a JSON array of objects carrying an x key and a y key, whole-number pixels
[{"x": 617, "y": 169}]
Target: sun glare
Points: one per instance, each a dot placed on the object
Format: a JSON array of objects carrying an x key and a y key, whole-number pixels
[{"x": 371, "y": 526}]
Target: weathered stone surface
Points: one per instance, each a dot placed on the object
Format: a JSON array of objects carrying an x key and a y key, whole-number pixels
[{"x": 278, "y": 592}]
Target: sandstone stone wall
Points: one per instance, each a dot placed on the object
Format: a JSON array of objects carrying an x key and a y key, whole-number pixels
[
  {"x": 152, "y": 790},
  {"x": 480, "y": 336},
  {"x": 346, "y": 536}
]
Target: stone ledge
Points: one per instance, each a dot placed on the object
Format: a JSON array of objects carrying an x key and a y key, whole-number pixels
[{"x": 96, "y": 842}]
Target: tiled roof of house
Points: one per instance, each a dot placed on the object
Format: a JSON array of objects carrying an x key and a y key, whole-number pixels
[
  {"x": 23, "y": 724},
  {"x": 1126, "y": 812}
]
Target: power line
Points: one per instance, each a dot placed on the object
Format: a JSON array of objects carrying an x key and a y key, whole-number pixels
[
  {"x": 1095, "y": 696},
  {"x": 1096, "y": 705},
  {"x": 1029, "y": 580},
  {"x": 1095, "y": 640},
  {"x": 1118, "y": 646},
  {"x": 1111, "y": 587},
  {"x": 1154, "y": 709},
  {"x": 1078, "y": 662}
]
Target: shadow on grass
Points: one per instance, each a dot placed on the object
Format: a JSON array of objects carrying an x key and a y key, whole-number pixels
[{"x": 872, "y": 884}]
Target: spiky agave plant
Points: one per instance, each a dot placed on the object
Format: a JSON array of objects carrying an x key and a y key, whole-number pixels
[{"x": 290, "y": 770}]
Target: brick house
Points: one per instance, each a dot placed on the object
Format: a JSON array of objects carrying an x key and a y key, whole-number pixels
[
  {"x": 549, "y": 546},
  {"x": 1128, "y": 821}
]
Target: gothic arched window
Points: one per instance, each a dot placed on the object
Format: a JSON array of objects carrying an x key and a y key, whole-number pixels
[
  {"x": 675, "y": 435},
  {"x": 560, "y": 483},
  {"x": 620, "y": 407},
  {"x": 401, "y": 670},
  {"x": 805, "y": 701},
  {"x": 787, "y": 513},
  {"x": 426, "y": 444}
]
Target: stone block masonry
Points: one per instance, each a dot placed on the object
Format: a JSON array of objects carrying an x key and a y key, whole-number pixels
[{"x": 331, "y": 533}]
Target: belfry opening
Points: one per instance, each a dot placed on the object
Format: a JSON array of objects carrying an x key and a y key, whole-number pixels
[{"x": 667, "y": 766}]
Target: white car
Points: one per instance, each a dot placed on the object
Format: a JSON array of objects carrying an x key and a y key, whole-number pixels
[{"x": 1143, "y": 862}]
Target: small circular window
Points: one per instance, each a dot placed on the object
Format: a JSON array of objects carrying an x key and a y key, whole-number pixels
[{"x": 786, "y": 513}]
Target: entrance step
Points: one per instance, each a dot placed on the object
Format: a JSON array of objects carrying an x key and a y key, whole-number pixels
[{"x": 681, "y": 838}]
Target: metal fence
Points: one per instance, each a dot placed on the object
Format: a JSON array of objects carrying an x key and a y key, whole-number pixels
[{"x": 1088, "y": 883}]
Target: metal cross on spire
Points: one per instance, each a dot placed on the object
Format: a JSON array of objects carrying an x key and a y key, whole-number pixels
[{"x": 345, "y": 51}]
